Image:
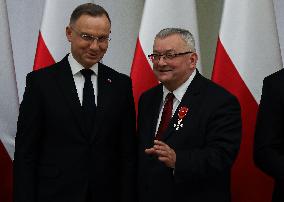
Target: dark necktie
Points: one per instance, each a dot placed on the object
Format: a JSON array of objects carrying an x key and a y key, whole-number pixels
[
  {"x": 89, "y": 101},
  {"x": 166, "y": 115}
]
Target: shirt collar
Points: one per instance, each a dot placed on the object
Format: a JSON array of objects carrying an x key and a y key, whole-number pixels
[
  {"x": 180, "y": 91},
  {"x": 76, "y": 67}
]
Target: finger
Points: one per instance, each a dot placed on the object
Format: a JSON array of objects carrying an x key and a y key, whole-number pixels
[
  {"x": 162, "y": 153},
  {"x": 165, "y": 160},
  {"x": 161, "y": 144},
  {"x": 158, "y": 147},
  {"x": 166, "y": 149},
  {"x": 150, "y": 151},
  {"x": 158, "y": 142}
]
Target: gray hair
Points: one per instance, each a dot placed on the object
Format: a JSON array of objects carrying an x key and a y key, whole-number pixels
[{"x": 185, "y": 35}]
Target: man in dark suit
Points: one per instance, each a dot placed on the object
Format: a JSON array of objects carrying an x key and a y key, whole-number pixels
[
  {"x": 76, "y": 129},
  {"x": 186, "y": 156},
  {"x": 269, "y": 133}
]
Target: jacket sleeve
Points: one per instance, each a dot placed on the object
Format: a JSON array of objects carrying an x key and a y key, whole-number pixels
[
  {"x": 128, "y": 147},
  {"x": 269, "y": 133},
  {"x": 26, "y": 143}
]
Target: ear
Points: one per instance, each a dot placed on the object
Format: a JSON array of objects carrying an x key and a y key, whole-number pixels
[
  {"x": 68, "y": 33},
  {"x": 193, "y": 58}
]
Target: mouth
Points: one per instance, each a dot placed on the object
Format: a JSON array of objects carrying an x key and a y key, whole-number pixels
[
  {"x": 164, "y": 70},
  {"x": 92, "y": 55}
]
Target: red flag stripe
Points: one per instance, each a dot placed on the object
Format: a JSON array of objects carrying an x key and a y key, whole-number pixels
[
  {"x": 5, "y": 175},
  {"x": 142, "y": 74},
  {"x": 248, "y": 183},
  {"x": 43, "y": 57}
]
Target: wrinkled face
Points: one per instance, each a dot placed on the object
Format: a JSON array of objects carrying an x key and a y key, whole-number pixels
[
  {"x": 85, "y": 49},
  {"x": 173, "y": 72}
]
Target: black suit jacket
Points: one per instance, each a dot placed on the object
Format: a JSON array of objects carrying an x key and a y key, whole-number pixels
[
  {"x": 269, "y": 133},
  {"x": 206, "y": 146},
  {"x": 55, "y": 160}
]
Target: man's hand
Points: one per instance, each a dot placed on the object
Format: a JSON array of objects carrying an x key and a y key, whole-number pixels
[{"x": 164, "y": 153}]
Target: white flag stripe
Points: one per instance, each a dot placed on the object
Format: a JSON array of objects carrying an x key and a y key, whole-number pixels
[
  {"x": 9, "y": 102},
  {"x": 252, "y": 44},
  {"x": 159, "y": 14},
  {"x": 56, "y": 17}
]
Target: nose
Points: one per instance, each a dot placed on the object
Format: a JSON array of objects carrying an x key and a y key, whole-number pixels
[
  {"x": 94, "y": 45},
  {"x": 161, "y": 61}
]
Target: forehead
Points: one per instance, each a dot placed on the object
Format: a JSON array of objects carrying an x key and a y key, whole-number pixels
[
  {"x": 172, "y": 42},
  {"x": 87, "y": 22}
]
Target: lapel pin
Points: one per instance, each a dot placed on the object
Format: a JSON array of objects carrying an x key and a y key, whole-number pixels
[
  {"x": 109, "y": 80},
  {"x": 181, "y": 114}
]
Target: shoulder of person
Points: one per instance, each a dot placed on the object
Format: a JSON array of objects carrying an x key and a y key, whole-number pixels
[
  {"x": 276, "y": 76},
  {"x": 215, "y": 91},
  {"x": 152, "y": 92},
  {"x": 112, "y": 74},
  {"x": 44, "y": 71}
]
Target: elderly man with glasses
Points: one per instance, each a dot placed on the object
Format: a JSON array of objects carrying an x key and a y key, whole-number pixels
[{"x": 189, "y": 128}]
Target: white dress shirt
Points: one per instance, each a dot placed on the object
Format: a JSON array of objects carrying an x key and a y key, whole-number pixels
[
  {"x": 79, "y": 78},
  {"x": 178, "y": 93}
]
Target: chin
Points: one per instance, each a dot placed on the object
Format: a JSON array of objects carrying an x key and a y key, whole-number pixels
[
  {"x": 92, "y": 61},
  {"x": 88, "y": 64},
  {"x": 163, "y": 78}
]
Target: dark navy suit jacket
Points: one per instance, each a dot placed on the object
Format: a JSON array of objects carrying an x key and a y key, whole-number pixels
[
  {"x": 269, "y": 133},
  {"x": 55, "y": 159},
  {"x": 206, "y": 146}
]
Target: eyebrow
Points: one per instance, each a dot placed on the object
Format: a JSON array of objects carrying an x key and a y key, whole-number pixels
[
  {"x": 85, "y": 33},
  {"x": 166, "y": 51}
]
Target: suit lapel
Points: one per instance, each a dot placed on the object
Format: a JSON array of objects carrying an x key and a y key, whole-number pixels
[
  {"x": 65, "y": 81},
  {"x": 190, "y": 98},
  {"x": 154, "y": 109}
]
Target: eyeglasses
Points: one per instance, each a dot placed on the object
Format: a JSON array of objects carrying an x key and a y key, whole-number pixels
[
  {"x": 167, "y": 56},
  {"x": 91, "y": 38}
]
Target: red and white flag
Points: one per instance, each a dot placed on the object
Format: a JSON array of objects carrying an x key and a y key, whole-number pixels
[
  {"x": 9, "y": 106},
  {"x": 247, "y": 51},
  {"x": 52, "y": 44},
  {"x": 159, "y": 14}
]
